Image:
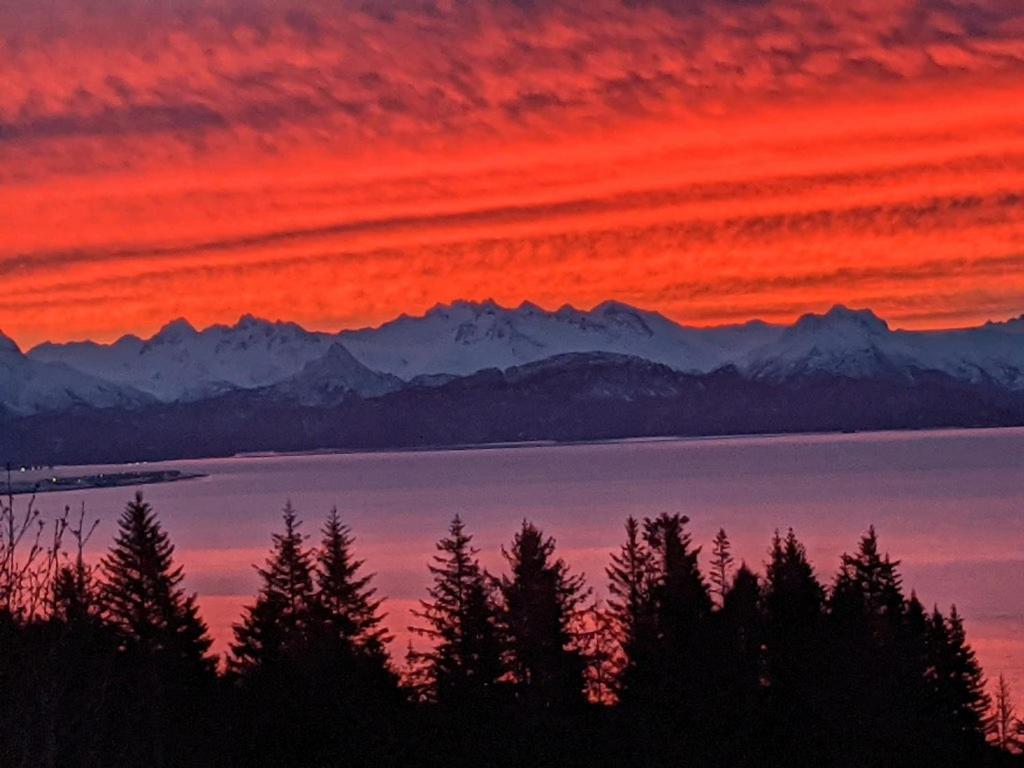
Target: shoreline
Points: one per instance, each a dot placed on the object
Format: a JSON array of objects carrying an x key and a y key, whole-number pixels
[
  {"x": 61, "y": 484},
  {"x": 442, "y": 448},
  {"x": 176, "y": 475}
]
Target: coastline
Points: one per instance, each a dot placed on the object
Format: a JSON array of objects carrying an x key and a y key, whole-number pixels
[{"x": 59, "y": 484}]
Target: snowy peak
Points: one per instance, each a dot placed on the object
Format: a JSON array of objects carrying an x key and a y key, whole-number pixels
[
  {"x": 842, "y": 342},
  {"x": 28, "y": 387},
  {"x": 332, "y": 378},
  {"x": 175, "y": 332},
  {"x": 464, "y": 337},
  {"x": 842, "y": 321},
  {"x": 181, "y": 363}
]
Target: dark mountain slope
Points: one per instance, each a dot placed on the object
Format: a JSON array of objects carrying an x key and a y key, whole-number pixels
[{"x": 570, "y": 397}]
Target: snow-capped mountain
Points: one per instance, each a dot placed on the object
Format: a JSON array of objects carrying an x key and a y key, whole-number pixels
[
  {"x": 330, "y": 379},
  {"x": 180, "y": 363},
  {"x": 29, "y": 386},
  {"x": 842, "y": 342},
  {"x": 859, "y": 344},
  {"x": 464, "y": 337}
]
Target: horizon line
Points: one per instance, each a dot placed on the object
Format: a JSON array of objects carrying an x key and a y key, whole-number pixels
[{"x": 483, "y": 303}]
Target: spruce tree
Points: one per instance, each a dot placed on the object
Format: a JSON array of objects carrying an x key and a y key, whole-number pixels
[
  {"x": 143, "y": 596},
  {"x": 866, "y": 612},
  {"x": 631, "y": 579},
  {"x": 743, "y": 625},
  {"x": 796, "y": 652},
  {"x": 350, "y": 608},
  {"x": 463, "y": 667},
  {"x": 680, "y": 678},
  {"x": 681, "y": 596},
  {"x": 721, "y": 565},
  {"x": 912, "y": 679},
  {"x": 959, "y": 685},
  {"x": 279, "y": 623},
  {"x": 736, "y": 670},
  {"x": 868, "y": 591},
  {"x": 794, "y": 598},
  {"x": 164, "y": 644},
  {"x": 75, "y": 598},
  {"x": 540, "y": 602}
]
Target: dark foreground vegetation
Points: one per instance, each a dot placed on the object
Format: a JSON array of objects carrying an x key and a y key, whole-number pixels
[{"x": 109, "y": 664}]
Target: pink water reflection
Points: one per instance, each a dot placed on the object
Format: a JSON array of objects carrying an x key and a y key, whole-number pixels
[{"x": 949, "y": 504}]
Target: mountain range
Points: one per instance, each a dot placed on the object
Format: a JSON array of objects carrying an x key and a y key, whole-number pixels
[{"x": 471, "y": 372}]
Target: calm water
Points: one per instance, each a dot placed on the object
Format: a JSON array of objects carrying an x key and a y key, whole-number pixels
[{"x": 949, "y": 504}]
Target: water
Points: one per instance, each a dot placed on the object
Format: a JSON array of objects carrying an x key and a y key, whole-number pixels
[{"x": 949, "y": 504}]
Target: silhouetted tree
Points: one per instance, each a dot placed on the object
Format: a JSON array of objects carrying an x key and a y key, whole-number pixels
[
  {"x": 721, "y": 565},
  {"x": 1006, "y": 730},
  {"x": 743, "y": 632},
  {"x": 278, "y": 623},
  {"x": 866, "y": 614},
  {"x": 959, "y": 684},
  {"x": 867, "y": 592},
  {"x": 682, "y": 604},
  {"x": 350, "y": 607},
  {"x": 631, "y": 579},
  {"x": 598, "y": 639},
  {"x": 734, "y": 698},
  {"x": 165, "y": 641},
  {"x": 540, "y": 601},
  {"x": 143, "y": 595},
  {"x": 463, "y": 666},
  {"x": 794, "y": 602}
]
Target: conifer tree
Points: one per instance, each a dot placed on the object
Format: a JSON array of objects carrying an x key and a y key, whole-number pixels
[
  {"x": 164, "y": 642},
  {"x": 868, "y": 592},
  {"x": 794, "y": 598},
  {"x": 721, "y": 565},
  {"x": 796, "y": 654},
  {"x": 866, "y": 613},
  {"x": 681, "y": 596},
  {"x": 631, "y": 579},
  {"x": 540, "y": 601},
  {"x": 350, "y": 608},
  {"x": 74, "y": 594},
  {"x": 682, "y": 604},
  {"x": 279, "y": 623},
  {"x": 743, "y": 626},
  {"x": 464, "y": 665},
  {"x": 143, "y": 596},
  {"x": 735, "y": 670},
  {"x": 958, "y": 681}
]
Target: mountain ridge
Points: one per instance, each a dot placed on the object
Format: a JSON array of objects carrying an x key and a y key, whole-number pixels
[{"x": 475, "y": 372}]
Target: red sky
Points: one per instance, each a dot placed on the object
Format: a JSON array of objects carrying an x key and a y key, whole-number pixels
[{"x": 339, "y": 163}]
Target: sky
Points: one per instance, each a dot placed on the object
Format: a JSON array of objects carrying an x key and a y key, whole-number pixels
[{"x": 339, "y": 163}]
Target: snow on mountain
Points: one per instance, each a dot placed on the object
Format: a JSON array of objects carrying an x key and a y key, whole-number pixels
[
  {"x": 464, "y": 337},
  {"x": 992, "y": 353},
  {"x": 28, "y": 386},
  {"x": 858, "y": 344},
  {"x": 181, "y": 363},
  {"x": 844, "y": 342},
  {"x": 328, "y": 380}
]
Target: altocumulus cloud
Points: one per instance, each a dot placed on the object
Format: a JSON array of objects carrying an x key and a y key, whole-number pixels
[{"x": 712, "y": 157}]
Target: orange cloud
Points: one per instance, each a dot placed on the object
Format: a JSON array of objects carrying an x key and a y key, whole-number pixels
[{"x": 337, "y": 165}]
